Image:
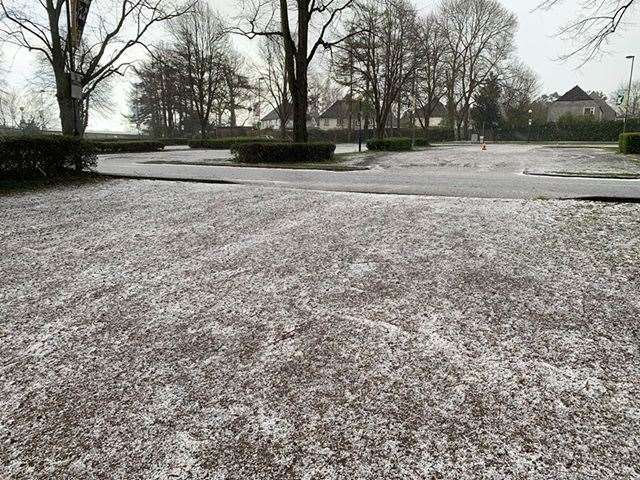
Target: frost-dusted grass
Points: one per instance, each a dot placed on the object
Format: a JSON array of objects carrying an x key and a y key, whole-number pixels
[{"x": 174, "y": 330}]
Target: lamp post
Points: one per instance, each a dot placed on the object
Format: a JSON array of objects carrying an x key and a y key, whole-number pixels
[
  {"x": 260, "y": 79},
  {"x": 626, "y": 111},
  {"x": 530, "y": 112}
]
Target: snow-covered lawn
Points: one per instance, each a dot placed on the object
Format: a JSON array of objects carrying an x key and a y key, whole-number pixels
[{"x": 181, "y": 330}]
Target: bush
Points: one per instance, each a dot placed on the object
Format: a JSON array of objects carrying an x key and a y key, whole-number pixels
[
  {"x": 433, "y": 134},
  {"x": 131, "y": 146},
  {"x": 629, "y": 142},
  {"x": 392, "y": 144},
  {"x": 227, "y": 143},
  {"x": 44, "y": 155},
  {"x": 272, "y": 152},
  {"x": 422, "y": 142}
]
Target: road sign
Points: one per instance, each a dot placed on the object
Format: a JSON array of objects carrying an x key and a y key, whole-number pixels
[
  {"x": 79, "y": 11},
  {"x": 75, "y": 79},
  {"x": 620, "y": 99}
]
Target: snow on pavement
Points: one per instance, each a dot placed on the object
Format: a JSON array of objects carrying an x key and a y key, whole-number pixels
[{"x": 182, "y": 330}]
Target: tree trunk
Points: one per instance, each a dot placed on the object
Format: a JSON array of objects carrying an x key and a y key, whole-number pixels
[{"x": 66, "y": 115}]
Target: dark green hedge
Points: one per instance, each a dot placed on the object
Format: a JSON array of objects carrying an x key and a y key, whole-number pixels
[
  {"x": 227, "y": 143},
  {"x": 44, "y": 155},
  {"x": 392, "y": 144},
  {"x": 128, "y": 147},
  {"x": 258, "y": 152},
  {"x": 422, "y": 142},
  {"x": 433, "y": 134},
  {"x": 629, "y": 142},
  {"x": 570, "y": 130}
]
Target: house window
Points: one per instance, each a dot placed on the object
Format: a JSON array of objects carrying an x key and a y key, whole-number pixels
[
  {"x": 589, "y": 111},
  {"x": 326, "y": 122}
]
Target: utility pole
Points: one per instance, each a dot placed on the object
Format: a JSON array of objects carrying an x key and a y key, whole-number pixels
[
  {"x": 359, "y": 125},
  {"x": 413, "y": 113},
  {"x": 626, "y": 112}
]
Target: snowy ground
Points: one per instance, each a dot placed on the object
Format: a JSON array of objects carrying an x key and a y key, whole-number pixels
[{"x": 180, "y": 330}]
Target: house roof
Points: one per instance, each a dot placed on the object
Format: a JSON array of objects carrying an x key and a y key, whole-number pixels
[
  {"x": 439, "y": 111},
  {"x": 576, "y": 94},
  {"x": 273, "y": 114},
  {"x": 605, "y": 107},
  {"x": 340, "y": 108}
]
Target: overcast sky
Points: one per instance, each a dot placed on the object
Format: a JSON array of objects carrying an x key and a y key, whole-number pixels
[{"x": 536, "y": 42}]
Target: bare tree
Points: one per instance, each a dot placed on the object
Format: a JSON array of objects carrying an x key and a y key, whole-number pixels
[
  {"x": 431, "y": 71},
  {"x": 41, "y": 27},
  {"x": 634, "y": 99},
  {"x": 28, "y": 110},
  {"x": 519, "y": 87},
  {"x": 595, "y": 23},
  {"x": 301, "y": 41},
  {"x": 200, "y": 45},
  {"x": 383, "y": 54},
  {"x": 274, "y": 72},
  {"x": 480, "y": 36}
]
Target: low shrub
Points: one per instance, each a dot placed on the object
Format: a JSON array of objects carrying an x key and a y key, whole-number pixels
[
  {"x": 44, "y": 155},
  {"x": 131, "y": 146},
  {"x": 629, "y": 142},
  {"x": 227, "y": 143},
  {"x": 272, "y": 152},
  {"x": 422, "y": 142},
  {"x": 391, "y": 144}
]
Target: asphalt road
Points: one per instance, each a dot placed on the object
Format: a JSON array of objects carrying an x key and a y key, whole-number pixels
[{"x": 457, "y": 171}]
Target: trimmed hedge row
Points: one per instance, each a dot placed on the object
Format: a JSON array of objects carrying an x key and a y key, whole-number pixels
[
  {"x": 391, "y": 144},
  {"x": 629, "y": 142},
  {"x": 422, "y": 142},
  {"x": 570, "y": 130},
  {"x": 227, "y": 143},
  {"x": 272, "y": 152},
  {"x": 131, "y": 146},
  {"x": 44, "y": 155}
]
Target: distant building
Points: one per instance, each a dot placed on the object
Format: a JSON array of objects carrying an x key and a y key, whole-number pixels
[
  {"x": 338, "y": 115},
  {"x": 435, "y": 120},
  {"x": 579, "y": 103},
  {"x": 272, "y": 120}
]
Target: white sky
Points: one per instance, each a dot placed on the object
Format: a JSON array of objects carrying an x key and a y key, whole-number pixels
[{"x": 537, "y": 47}]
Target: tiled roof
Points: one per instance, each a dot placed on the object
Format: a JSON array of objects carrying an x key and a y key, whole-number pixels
[{"x": 576, "y": 94}]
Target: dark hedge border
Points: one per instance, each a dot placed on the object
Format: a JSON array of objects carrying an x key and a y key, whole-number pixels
[
  {"x": 132, "y": 146},
  {"x": 38, "y": 156},
  {"x": 271, "y": 152},
  {"x": 391, "y": 144},
  {"x": 227, "y": 143},
  {"x": 629, "y": 142}
]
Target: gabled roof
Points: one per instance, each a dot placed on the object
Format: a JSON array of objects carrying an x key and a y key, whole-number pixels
[
  {"x": 576, "y": 94},
  {"x": 272, "y": 115},
  {"x": 340, "y": 109},
  {"x": 605, "y": 107}
]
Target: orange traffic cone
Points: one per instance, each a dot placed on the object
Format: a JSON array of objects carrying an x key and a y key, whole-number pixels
[{"x": 484, "y": 146}]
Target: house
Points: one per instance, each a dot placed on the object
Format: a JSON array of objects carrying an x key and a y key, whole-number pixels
[
  {"x": 272, "y": 120},
  {"x": 338, "y": 115},
  {"x": 435, "y": 120},
  {"x": 578, "y": 103}
]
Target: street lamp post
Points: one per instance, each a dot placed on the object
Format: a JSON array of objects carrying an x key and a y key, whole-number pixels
[
  {"x": 530, "y": 112},
  {"x": 626, "y": 111},
  {"x": 260, "y": 79}
]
